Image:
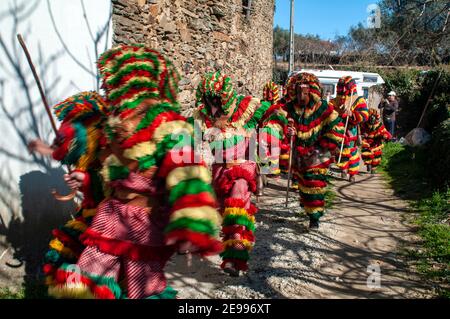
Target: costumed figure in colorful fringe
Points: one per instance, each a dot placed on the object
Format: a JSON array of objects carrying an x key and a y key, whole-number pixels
[
  {"x": 230, "y": 124},
  {"x": 318, "y": 133},
  {"x": 353, "y": 111},
  {"x": 79, "y": 143},
  {"x": 374, "y": 134},
  {"x": 270, "y": 95},
  {"x": 160, "y": 199}
]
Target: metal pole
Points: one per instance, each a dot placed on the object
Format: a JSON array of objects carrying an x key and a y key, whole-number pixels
[{"x": 291, "y": 40}]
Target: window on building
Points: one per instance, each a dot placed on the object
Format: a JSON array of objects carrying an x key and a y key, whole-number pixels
[{"x": 247, "y": 8}]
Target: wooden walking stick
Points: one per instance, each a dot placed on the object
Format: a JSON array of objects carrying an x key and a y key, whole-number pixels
[
  {"x": 47, "y": 109},
  {"x": 291, "y": 145}
]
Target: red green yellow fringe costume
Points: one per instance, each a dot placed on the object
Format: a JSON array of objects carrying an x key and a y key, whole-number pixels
[
  {"x": 271, "y": 95},
  {"x": 234, "y": 180},
  {"x": 374, "y": 134},
  {"x": 346, "y": 94},
  {"x": 319, "y": 132},
  {"x": 159, "y": 197},
  {"x": 79, "y": 144}
]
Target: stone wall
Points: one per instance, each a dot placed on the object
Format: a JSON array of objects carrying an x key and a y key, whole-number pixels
[{"x": 202, "y": 36}]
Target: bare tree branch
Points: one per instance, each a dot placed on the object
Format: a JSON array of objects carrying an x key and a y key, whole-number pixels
[
  {"x": 18, "y": 157},
  {"x": 63, "y": 43}
]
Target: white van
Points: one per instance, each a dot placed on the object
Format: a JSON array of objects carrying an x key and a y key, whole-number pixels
[{"x": 330, "y": 78}]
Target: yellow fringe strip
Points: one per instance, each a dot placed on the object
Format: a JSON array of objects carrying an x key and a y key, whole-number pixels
[
  {"x": 232, "y": 242},
  {"x": 379, "y": 148},
  {"x": 238, "y": 211},
  {"x": 180, "y": 174},
  {"x": 89, "y": 212},
  {"x": 86, "y": 159},
  {"x": 276, "y": 172},
  {"x": 72, "y": 291},
  {"x": 322, "y": 171},
  {"x": 312, "y": 190},
  {"x": 284, "y": 157},
  {"x": 353, "y": 169},
  {"x": 172, "y": 127},
  {"x": 276, "y": 126},
  {"x": 342, "y": 163},
  {"x": 111, "y": 160},
  {"x": 59, "y": 247},
  {"x": 201, "y": 212},
  {"x": 140, "y": 150},
  {"x": 77, "y": 225},
  {"x": 335, "y": 138},
  {"x": 314, "y": 130},
  {"x": 248, "y": 113}
]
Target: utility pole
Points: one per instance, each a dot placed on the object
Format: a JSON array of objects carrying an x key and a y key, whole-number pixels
[{"x": 291, "y": 40}]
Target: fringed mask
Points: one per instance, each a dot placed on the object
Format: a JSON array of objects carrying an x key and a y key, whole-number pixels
[
  {"x": 79, "y": 135},
  {"x": 216, "y": 91},
  {"x": 296, "y": 82},
  {"x": 271, "y": 92},
  {"x": 134, "y": 73},
  {"x": 139, "y": 83},
  {"x": 346, "y": 87}
]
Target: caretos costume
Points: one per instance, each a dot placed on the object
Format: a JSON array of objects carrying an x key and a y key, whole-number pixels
[
  {"x": 271, "y": 94},
  {"x": 231, "y": 140},
  {"x": 78, "y": 144},
  {"x": 319, "y": 132},
  {"x": 159, "y": 197},
  {"x": 346, "y": 95},
  {"x": 374, "y": 134}
]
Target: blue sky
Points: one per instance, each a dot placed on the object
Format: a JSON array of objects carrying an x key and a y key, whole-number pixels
[{"x": 327, "y": 18}]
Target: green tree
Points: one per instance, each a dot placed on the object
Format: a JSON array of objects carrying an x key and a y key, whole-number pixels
[{"x": 411, "y": 32}]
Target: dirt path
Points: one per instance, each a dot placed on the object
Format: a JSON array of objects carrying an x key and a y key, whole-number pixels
[{"x": 364, "y": 229}]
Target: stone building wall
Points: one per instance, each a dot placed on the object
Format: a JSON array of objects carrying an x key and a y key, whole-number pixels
[{"x": 202, "y": 36}]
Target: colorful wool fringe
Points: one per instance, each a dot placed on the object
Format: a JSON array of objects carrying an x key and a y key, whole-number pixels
[
  {"x": 79, "y": 140},
  {"x": 142, "y": 85},
  {"x": 374, "y": 134},
  {"x": 271, "y": 92},
  {"x": 312, "y": 183},
  {"x": 346, "y": 95},
  {"x": 238, "y": 233},
  {"x": 319, "y": 129}
]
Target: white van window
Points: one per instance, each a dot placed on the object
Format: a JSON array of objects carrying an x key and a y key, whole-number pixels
[
  {"x": 370, "y": 79},
  {"x": 327, "y": 88}
]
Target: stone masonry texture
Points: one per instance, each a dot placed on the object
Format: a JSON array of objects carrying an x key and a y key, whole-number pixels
[{"x": 201, "y": 36}]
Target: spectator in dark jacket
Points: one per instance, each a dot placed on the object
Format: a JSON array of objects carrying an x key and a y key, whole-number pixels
[{"x": 389, "y": 108}]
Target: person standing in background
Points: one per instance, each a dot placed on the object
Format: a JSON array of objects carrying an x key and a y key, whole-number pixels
[{"x": 389, "y": 109}]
